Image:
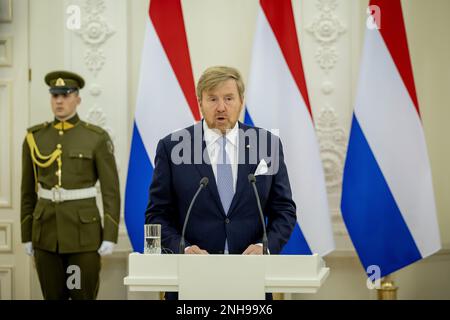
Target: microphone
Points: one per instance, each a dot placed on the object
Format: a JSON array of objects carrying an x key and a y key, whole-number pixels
[
  {"x": 203, "y": 183},
  {"x": 252, "y": 180}
]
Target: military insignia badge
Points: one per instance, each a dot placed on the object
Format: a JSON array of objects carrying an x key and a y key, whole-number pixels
[{"x": 60, "y": 82}]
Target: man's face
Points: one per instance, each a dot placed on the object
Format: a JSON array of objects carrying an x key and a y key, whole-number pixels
[
  {"x": 64, "y": 105},
  {"x": 222, "y": 106}
]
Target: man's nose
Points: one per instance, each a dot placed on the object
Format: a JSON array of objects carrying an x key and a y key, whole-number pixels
[{"x": 221, "y": 105}]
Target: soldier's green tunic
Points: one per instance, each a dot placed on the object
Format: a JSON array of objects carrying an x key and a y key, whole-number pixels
[
  {"x": 70, "y": 155},
  {"x": 87, "y": 156}
]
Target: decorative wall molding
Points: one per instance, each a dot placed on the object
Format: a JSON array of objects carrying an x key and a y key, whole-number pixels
[
  {"x": 6, "y": 282},
  {"x": 97, "y": 50},
  {"x": 5, "y": 51},
  {"x": 327, "y": 87},
  {"x": 5, "y": 143},
  {"x": 6, "y": 236},
  {"x": 333, "y": 142},
  {"x": 94, "y": 60},
  {"x": 97, "y": 116},
  {"x": 94, "y": 32},
  {"x": 326, "y": 30},
  {"x": 95, "y": 90},
  {"x": 6, "y": 11}
]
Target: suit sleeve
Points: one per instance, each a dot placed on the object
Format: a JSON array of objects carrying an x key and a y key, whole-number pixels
[
  {"x": 281, "y": 208},
  {"x": 109, "y": 184},
  {"x": 28, "y": 196},
  {"x": 161, "y": 208}
]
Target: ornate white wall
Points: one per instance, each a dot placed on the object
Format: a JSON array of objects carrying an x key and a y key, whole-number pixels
[{"x": 106, "y": 49}]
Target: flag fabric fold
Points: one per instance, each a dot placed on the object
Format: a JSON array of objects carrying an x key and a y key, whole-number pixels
[
  {"x": 165, "y": 102},
  {"x": 387, "y": 199},
  {"x": 277, "y": 98}
]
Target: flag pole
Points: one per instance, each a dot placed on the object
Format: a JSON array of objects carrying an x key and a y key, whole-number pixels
[{"x": 388, "y": 289}]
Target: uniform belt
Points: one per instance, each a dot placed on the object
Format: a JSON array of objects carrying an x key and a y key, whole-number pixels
[{"x": 61, "y": 194}]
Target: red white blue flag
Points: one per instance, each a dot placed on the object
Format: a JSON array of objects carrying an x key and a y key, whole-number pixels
[
  {"x": 166, "y": 101},
  {"x": 277, "y": 98},
  {"x": 387, "y": 201}
]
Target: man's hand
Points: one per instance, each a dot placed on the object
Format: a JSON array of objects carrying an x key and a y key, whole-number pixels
[
  {"x": 29, "y": 248},
  {"x": 106, "y": 248},
  {"x": 253, "y": 249},
  {"x": 195, "y": 250}
]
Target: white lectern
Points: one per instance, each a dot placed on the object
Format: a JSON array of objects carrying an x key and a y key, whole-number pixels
[{"x": 225, "y": 277}]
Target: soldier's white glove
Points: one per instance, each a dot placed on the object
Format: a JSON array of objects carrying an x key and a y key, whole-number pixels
[
  {"x": 106, "y": 248},
  {"x": 29, "y": 248}
]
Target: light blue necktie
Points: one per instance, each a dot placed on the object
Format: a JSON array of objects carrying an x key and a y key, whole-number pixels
[
  {"x": 224, "y": 179},
  {"x": 224, "y": 176}
]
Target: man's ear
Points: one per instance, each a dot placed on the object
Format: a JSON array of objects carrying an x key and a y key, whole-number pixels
[{"x": 243, "y": 104}]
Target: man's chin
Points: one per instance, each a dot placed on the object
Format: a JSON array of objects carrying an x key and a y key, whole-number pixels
[
  {"x": 61, "y": 116},
  {"x": 224, "y": 126}
]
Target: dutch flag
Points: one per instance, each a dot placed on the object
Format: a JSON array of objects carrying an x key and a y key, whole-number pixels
[
  {"x": 166, "y": 102},
  {"x": 387, "y": 200},
  {"x": 277, "y": 98}
]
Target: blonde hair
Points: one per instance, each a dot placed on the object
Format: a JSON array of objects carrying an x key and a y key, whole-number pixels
[{"x": 213, "y": 76}]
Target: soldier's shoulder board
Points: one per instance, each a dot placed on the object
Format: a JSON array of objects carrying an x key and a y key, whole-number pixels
[
  {"x": 92, "y": 127},
  {"x": 37, "y": 127}
]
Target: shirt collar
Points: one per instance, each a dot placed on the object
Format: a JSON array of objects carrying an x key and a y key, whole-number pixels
[
  {"x": 212, "y": 135},
  {"x": 67, "y": 124}
]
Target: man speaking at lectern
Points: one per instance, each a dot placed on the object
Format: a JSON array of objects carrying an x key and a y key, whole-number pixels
[{"x": 224, "y": 218}]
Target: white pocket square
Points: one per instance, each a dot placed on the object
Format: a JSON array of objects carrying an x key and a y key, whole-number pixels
[{"x": 262, "y": 168}]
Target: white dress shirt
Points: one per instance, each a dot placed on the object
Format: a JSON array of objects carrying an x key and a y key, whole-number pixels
[{"x": 212, "y": 137}]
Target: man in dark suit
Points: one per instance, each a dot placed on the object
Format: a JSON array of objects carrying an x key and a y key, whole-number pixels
[{"x": 225, "y": 216}]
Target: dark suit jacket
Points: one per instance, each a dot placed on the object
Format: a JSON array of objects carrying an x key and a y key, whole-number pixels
[{"x": 174, "y": 185}]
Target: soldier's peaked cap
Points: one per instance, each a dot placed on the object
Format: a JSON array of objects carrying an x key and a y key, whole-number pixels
[{"x": 63, "y": 82}]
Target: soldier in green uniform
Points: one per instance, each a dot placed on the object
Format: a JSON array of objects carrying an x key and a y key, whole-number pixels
[{"x": 60, "y": 222}]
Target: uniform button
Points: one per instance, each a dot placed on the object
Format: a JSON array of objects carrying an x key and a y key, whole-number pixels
[
  {"x": 61, "y": 132},
  {"x": 227, "y": 220},
  {"x": 80, "y": 156},
  {"x": 59, "y": 146},
  {"x": 94, "y": 219}
]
